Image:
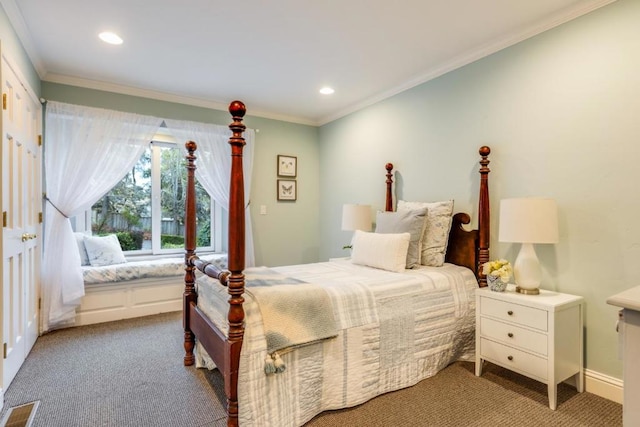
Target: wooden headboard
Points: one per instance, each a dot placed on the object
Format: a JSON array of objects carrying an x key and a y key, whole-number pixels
[{"x": 468, "y": 248}]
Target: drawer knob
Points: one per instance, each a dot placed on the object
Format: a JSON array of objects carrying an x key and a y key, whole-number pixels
[
  {"x": 510, "y": 313},
  {"x": 510, "y": 334},
  {"x": 510, "y": 357}
]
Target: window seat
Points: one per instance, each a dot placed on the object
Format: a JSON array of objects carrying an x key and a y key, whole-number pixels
[
  {"x": 135, "y": 288},
  {"x": 133, "y": 270}
]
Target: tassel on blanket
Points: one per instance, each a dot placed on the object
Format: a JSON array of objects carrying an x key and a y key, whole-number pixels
[
  {"x": 278, "y": 363},
  {"x": 273, "y": 364},
  {"x": 269, "y": 365}
]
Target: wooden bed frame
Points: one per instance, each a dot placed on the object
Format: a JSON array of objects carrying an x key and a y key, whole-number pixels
[{"x": 469, "y": 248}]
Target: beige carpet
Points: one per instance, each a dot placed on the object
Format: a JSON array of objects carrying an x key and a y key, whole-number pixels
[
  {"x": 130, "y": 373},
  {"x": 117, "y": 374},
  {"x": 456, "y": 397}
]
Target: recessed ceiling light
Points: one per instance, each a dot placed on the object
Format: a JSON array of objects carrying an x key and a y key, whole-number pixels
[
  {"x": 109, "y": 37},
  {"x": 326, "y": 91}
]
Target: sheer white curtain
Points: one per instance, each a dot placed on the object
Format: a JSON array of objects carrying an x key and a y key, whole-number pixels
[
  {"x": 87, "y": 152},
  {"x": 214, "y": 166}
]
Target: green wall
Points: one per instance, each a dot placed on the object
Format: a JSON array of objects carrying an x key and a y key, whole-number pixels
[
  {"x": 289, "y": 232},
  {"x": 11, "y": 47},
  {"x": 561, "y": 114}
]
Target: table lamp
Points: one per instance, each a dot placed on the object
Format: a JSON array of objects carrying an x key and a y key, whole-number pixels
[
  {"x": 528, "y": 221},
  {"x": 356, "y": 217}
]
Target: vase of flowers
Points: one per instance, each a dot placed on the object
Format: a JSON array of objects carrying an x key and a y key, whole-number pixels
[{"x": 498, "y": 273}]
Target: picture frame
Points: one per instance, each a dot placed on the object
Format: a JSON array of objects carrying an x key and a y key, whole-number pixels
[
  {"x": 287, "y": 166},
  {"x": 287, "y": 190}
]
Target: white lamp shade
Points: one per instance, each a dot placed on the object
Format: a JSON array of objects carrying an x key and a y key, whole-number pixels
[
  {"x": 356, "y": 217},
  {"x": 528, "y": 220}
]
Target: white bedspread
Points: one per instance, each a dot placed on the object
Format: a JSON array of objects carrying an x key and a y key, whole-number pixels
[{"x": 395, "y": 329}]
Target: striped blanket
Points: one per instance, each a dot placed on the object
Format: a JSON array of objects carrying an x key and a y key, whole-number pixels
[
  {"x": 394, "y": 329},
  {"x": 294, "y": 313}
]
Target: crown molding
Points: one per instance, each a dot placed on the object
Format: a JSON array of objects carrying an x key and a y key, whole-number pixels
[
  {"x": 164, "y": 96},
  {"x": 17, "y": 22},
  {"x": 473, "y": 55}
]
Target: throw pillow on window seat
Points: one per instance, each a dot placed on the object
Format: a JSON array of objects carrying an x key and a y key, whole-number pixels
[
  {"x": 84, "y": 258},
  {"x": 104, "y": 250}
]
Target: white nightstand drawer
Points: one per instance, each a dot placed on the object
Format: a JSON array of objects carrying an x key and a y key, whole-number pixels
[
  {"x": 513, "y": 335},
  {"x": 546, "y": 335},
  {"x": 516, "y": 313},
  {"x": 514, "y": 359}
]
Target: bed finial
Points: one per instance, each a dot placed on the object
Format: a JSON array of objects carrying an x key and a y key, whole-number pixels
[
  {"x": 484, "y": 220},
  {"x": 484, "y": 152},
  {"x": 388, "y": 206},
  {"x": 191, "y": 146},
  {"x": 237, "y": 109}
]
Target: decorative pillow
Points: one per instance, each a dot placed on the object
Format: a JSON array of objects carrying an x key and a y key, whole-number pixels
[
  {"x": 436, "y": 231},
  {"x": 84, "y": 258},
  {"x": 104, "y": 250},
  {"x": 384, "y": 251},
  {"x": 407, "y": 221}
]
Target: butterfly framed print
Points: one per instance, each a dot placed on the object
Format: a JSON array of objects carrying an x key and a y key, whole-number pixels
[
  {"x": 287, "y": 190},
  {"x": 287, "y": 166}
]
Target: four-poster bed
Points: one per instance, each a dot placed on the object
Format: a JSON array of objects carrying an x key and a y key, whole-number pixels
[{"x": 222, "y": 337}]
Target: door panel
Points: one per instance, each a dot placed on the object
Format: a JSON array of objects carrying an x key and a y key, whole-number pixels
[{"x": 21, "y": 205}]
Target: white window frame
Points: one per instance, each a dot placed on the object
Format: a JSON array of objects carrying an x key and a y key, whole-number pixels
[{"x": 82, "y": 222}]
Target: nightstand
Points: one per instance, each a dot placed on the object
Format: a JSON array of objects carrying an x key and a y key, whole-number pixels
[{"x": 539, "y": 336}]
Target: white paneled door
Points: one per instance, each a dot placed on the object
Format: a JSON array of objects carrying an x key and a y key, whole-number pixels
[{"x": 21, "y": 219}]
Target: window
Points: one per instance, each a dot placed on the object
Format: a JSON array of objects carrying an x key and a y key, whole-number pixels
[{"x": 146, "y": 209}]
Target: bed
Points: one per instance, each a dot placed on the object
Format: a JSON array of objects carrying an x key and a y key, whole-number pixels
[{"x": 364, "y": 345}]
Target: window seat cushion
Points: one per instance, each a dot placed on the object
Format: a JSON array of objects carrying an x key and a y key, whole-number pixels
[{"x": 133, "y": 270}]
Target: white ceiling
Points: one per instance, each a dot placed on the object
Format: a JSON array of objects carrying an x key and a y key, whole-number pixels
[{"x": 273, "y": 55}]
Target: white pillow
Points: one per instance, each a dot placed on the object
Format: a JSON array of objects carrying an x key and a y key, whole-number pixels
[
  {"x": 104, "y": 250},
  {"x": 385, "y": 251},
  {"x": 436, "y": 231},
  {"x": 407, "y": 221},
  {"x": 84, "y": 258}
]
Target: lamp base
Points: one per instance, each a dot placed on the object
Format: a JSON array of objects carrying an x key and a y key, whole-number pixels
[
  {"x": 527, "y": 271},
  {"x": 535, "y": 291}
]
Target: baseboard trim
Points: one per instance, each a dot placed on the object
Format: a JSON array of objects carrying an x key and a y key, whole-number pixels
[{"x": 603, "y": 385}]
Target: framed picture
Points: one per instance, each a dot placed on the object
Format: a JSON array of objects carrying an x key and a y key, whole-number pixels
[
  {"x": 287, "y": 166},
  {"x": 287, "y": 189}
]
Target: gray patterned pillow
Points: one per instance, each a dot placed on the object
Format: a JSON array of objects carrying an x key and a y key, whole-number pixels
[
  {"x": 104, "y": 250},
  {"x": 407, "y": 221},
  {"x": 84, "y": 259},
  {"x": 436, "y": 231}
]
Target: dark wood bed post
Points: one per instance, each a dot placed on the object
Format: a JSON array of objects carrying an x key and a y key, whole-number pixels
[
  {"x": 236, "y": 261},
  {"x": 189, "y": 295},
  {"x": 484, "y": 220},
  {"x": 224, "y": 351},
  {"x": 389, "y": 198}
]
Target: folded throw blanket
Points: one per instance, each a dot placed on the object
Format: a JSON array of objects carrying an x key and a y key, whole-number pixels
[{"x": 294, "y": 313}]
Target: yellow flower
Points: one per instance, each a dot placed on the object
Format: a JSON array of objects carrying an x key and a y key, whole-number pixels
[{"x": 499, "y": 268}]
